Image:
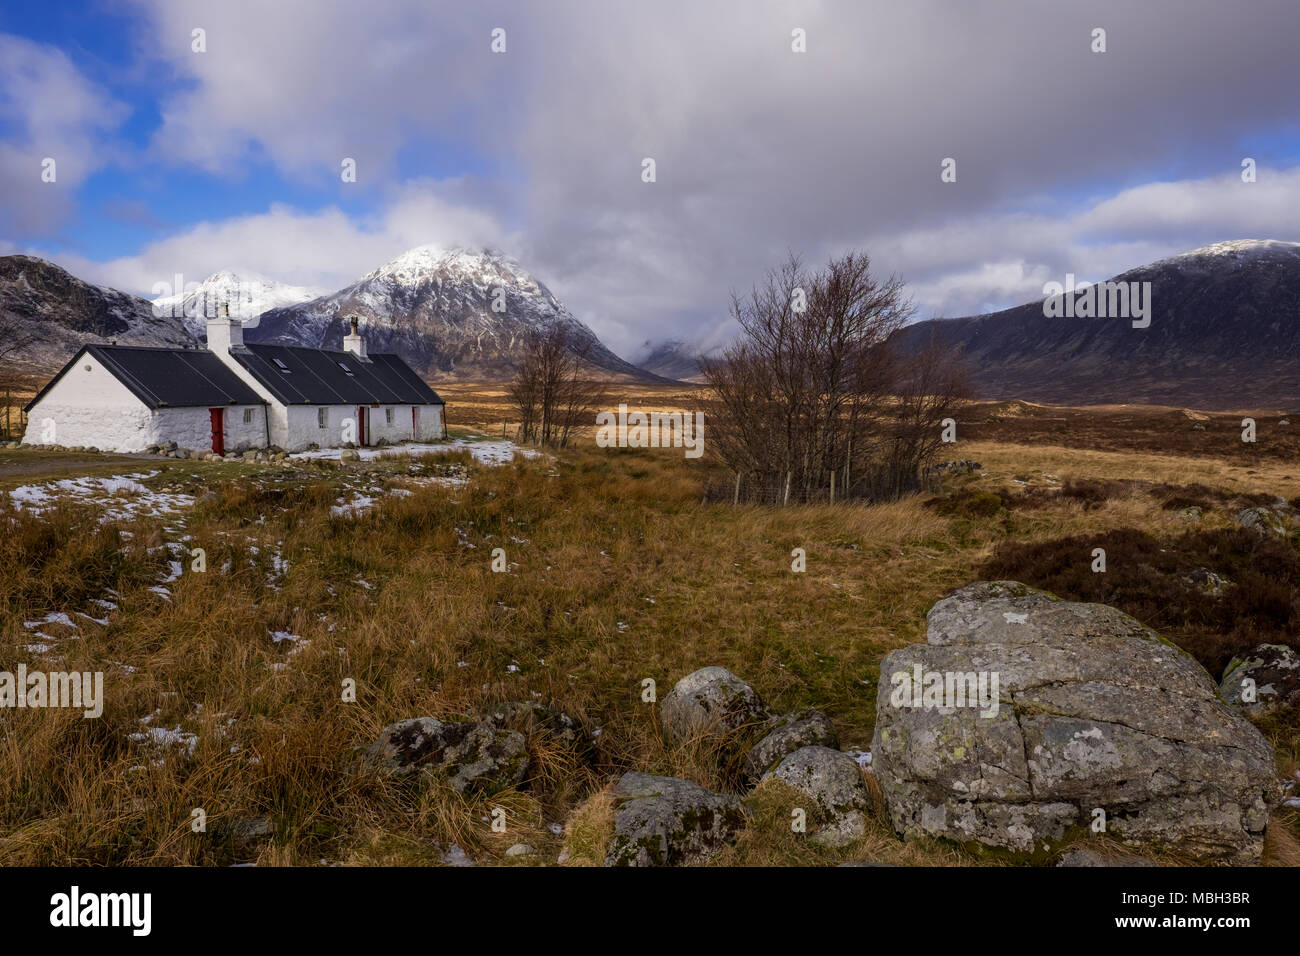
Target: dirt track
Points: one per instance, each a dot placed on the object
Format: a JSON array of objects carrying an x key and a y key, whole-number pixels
[{"x": 36, "y": 464}]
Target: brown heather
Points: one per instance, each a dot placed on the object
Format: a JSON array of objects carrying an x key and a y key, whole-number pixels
[{"x": 613, "y": 538}]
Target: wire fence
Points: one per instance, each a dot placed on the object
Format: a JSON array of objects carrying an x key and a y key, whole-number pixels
[
  {"x": 781, "y": 490},
  {"x": 778, "y": 491}
]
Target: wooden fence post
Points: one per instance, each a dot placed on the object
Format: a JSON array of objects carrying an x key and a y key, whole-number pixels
[
  {"x": 787, "y": 489},
  {"x": 735, "y": 500},
  {"x": 832, "y": 486}
]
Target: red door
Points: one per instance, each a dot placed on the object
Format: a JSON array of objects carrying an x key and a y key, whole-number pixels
[
  {"x": 361, "y": 425},
  {"x": 218, "y": 430},
  {"x": 415, "y": 423}
]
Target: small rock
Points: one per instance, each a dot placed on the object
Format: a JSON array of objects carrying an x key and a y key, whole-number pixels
[
  {"x": 664, "y": 821},
  {"x": 245, "y": 829},
  {"x": 1261, "y": 521},
  {"x": 1205, "y": 581},
  {"x": 467, "y": 754},
  {"x": 711, "y": 699},
  {"x": 1087, "y": 856},
  {"x": 520, "y": 849},
  {"x": 832, "y": 781},
  {"x": 349, "y": 454},
  {"x": 786, "y": 735},
  {"x": 533, "y": 718},
  {"x": 1271, "y": 670}
]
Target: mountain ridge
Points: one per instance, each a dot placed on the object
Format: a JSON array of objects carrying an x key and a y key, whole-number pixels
[
  {"x": 452, "y": 313},
  {"x": 1224, "y": 333}
]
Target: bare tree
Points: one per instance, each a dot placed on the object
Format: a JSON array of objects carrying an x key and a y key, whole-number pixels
[
  {"x": 553, "y": 388},
  {"x": 815, "y": 396},
  {"x": 15, "y": 337}
]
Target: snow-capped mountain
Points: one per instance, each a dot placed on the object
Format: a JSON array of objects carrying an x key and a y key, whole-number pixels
[
  {"x": 1224, "y": 333},
  {"x": 54, "y": 313},
  {"x": 453, "y": 312},
  {"x": 246, "y": 297}
]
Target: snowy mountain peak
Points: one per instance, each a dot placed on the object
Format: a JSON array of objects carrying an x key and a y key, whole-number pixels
[
  {"x": 247, "y": 296},
  {"x": 1244, "y": 248},
  {"x": 430, "y": 263},
  {"x": 448, "y": 310}
]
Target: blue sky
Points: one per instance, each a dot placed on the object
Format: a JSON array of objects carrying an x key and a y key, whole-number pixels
[{"x": 1069, "y": 160}]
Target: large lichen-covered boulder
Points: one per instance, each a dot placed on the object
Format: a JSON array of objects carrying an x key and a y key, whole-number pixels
[
  {"x": 468, "y": 755},
  {"x": 833, "y": 784},
  {"x": 710, "y": 700},
  {"x": 1084, "y": 715},
  {"x": 665, "y": 821},
  {"x": 784, "y": 735},
  {"x": 1266, "y": 679}
]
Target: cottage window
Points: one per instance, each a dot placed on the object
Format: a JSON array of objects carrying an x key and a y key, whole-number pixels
[
  {"x": 248, "y": 416},
  {"x": 388, "y": 416},
  {"x": 281, "y": 366},
  {"x": 323, "y": 417}
]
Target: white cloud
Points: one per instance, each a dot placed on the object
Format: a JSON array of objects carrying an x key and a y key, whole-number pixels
[
  {"x": 759, "y": 150},
  {"x": 327, "y": 248},
  {"x": 51, "y": 111}
]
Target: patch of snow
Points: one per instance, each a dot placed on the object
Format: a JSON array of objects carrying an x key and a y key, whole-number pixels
[{"x": 485, "y": 452}]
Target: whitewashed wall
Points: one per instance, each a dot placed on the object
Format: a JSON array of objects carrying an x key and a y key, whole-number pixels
[
  {"x": 430, "y": 424},
  {"x": 303, "y": 427},
  {"x": 241, "y": 436},
  {"x": 89, "y": 406},
  {"x": 192, "y": 428}
]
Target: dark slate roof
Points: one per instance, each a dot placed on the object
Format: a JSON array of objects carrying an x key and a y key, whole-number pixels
[
  {"x": 303, "y": 376},
  {"x": 166, "y": 378}
]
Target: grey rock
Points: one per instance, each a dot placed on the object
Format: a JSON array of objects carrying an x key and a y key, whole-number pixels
[
  {"x": 246, "y": 829},
  {"x": 833, "y": 784},
  {"x": 710, "y": 700},
  {"x": 349, "y": 454},
  {"x": 1094, "y": 710},
  {"x": 664, "y": 821},
  {"x": 1262, "y": 521},
  {"x": 520, "y": 849},
  {"x": 535, "y": 719},
  {"x": 1274, "y": 670},
  {"x": 468, "y": 755},
  {"x": 786, "y": 734},
  {"x": 1077, "y": 856},
  {"x": 1206, "y": 581},
  {"x": 1192, "y": 513}
]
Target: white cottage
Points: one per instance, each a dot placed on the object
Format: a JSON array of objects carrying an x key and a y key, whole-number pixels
[{"x": 233, "y": 397}]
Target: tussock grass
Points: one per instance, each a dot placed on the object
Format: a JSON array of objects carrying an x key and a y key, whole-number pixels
[{"x": 616, "y": 573}]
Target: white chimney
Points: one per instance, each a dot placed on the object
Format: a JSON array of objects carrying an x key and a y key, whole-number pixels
[
  {"x": 225, "y": 333},
  {"x": 354, "y": 343}
]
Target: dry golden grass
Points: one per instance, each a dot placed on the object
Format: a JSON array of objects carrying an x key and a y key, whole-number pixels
[{"x": 618, "y": 573}]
